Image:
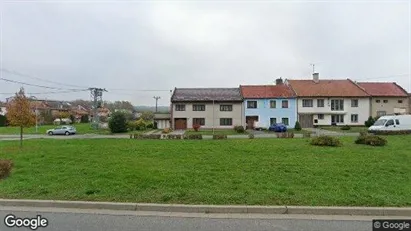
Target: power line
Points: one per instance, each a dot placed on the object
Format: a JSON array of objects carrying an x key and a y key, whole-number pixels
[
  {"x": 40, "y": 79},
  {"x": 125, "y": 89},
  {"x": 35, "y": 85},
  {"x": 385, "y": 77}
]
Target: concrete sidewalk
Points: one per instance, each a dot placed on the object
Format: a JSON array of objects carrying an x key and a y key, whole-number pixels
[{"x": 227, "y": 209}]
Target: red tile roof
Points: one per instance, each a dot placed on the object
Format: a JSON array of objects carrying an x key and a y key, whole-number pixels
[
  {"x": 266, "y": 91},
  {"x": 327, "y": 88},
  {"x": 383, "y": 89}
]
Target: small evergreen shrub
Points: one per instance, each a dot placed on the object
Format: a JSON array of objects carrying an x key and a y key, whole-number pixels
[
  {"x": 369, "y": 122},
  {"x": 118, "y": 123},
  {"x": 251, "y": 136},
  {"x": 326, "y": 141},
  {"x": 297, "y": 126}
]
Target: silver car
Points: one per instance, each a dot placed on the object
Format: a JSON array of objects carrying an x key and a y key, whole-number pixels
[{"x": 62, "y": 130}]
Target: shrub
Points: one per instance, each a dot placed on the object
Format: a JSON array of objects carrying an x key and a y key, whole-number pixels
[
  {"x": 219, "y": 137},
  {"x": 239, "y": 129},
  {"x": 131, "y": 125},
  {"x": 371, "y": 140},
  {"x": 251, "y": 136},
  {"x": 196, "y": 127},
  {"x": 194, "y": 137},
  {"x": 326, "y": 141},
  {"x": 117, "y": 123},
  {"x": 174, "y": 137},
  {"x": 5, "y": 168},
  {"x": 84, "y": 119},
  {"x": 369, "y": 122},
  {"x": 345, "y": 127},
  {"x": 140, "y": 124},
  {"x": 149, "y": 125},
  {"x": 3, "y": 120},
  {"x": 297, "y": 126},
  {"x": 73, "y": 119},
  {"x": 151, "y": 136}
]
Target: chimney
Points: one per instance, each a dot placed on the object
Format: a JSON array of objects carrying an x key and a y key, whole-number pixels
[
  {"x": 279, "y": 81},
  {"x": 316, "y": 77}
]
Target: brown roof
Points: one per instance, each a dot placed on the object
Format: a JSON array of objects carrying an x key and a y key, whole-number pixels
[
  {"x": 327, "y": 88},
  {"x": 266, "y": 91},
  {"x": 383, "y": 89}
]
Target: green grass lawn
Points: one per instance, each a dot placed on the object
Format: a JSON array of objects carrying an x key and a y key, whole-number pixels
[
  {"x": 338, "y": 129},
  {"x": 216, "y": 132},
  {"x": 257, "y": 171}
]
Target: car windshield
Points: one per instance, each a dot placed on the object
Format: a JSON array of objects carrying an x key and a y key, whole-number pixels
[{"x": 380, "y": 122}]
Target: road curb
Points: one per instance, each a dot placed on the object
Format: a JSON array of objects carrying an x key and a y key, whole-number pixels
[{"x": 234, "y": 209}]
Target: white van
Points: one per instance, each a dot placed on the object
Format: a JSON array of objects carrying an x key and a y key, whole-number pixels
[{"x": 392, "y": 123}]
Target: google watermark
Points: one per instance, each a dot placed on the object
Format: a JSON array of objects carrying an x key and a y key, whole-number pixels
[
  {"x": 391, "y": 225},
  {"x": 34, "y": 223}
]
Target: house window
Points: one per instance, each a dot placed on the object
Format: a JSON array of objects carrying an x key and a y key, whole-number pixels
[
  {"x": 320, "y": 116},
  {"x": 226, "y": 122},
  {"x": 199, "y": 107},
  {"x": 337, "y": 105},
  {"x": 180, "y": 107},
  {"x": 273, "y": 104},
  {"x": 377, "y": 101},
  {"x": 385, "y": 101},
  {"x": 284, "y": 104},
  {"x": 273, "y": 121},
  {"x": 307, "y": 103},
  {"x": 199, "y": 121},
  {"x": 354, "y": 118},
  {"x": 337, "y": 119},
  {"x": 399, "y": 101},
  {"x": 226, "y": 107},
  {"x": 251, "y": 104},
  {"x": 354, "y": 103},
  {"x": 320, "y": 103},
  {"x": 285, "y": 121},
  {"x": 381, "y": 113}
]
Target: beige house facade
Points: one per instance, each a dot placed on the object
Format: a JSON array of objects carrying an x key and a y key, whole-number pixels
[
  {"x": 386, "y": 98},
  {"x": 218, "y": 108}
]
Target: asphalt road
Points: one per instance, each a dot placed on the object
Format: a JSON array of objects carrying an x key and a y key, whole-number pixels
[{"x": 89, "y": 220}]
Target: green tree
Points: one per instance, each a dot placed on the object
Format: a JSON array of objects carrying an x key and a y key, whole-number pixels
[
  {"x": 84, "y": 119},
  {"x": 117, "y": 123},
  {"x": 19, "y": 113},
  {"x": 147, "y": 116},
  {"x": 3, "y": 120},
  {"x": 369, "y": 122}
]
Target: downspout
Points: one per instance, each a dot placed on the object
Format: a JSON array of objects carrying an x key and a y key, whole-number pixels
[{"x": 213, "y": 117}]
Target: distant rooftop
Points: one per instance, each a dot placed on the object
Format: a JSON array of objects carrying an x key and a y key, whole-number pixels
[{"x": 206, "y": 94}]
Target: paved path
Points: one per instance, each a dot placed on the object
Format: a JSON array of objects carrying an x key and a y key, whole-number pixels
[{"x": 106, "y": 220}]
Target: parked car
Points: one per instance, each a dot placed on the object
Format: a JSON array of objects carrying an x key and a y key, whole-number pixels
[
  {"x": 278, "y": 127},
  {"x": 259, "y": 126},
  {"x": 62, "y": 130},
  {"x": 392, "y": 123}
]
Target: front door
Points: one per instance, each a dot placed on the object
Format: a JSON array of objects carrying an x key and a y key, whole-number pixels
[{"x": 180, "y": 124}]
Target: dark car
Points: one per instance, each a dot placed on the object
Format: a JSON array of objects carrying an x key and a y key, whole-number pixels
[{"x": 278, "y": 128}]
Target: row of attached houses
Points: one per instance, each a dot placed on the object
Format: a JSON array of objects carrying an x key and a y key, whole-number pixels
[{"x": 311, "y": 102}]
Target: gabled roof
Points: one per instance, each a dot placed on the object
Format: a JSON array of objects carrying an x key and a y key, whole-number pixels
[
  {"x": 327, "y": 88},
  {"x": 266, "y": 91},
  {"x": 206, "y": 94},
  {"x": 383, "y": 89}
]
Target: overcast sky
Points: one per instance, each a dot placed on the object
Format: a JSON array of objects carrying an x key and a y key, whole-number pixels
[{"x": 162, "y": 45}]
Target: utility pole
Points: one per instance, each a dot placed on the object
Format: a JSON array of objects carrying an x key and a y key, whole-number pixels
[
  {"x": 97, "y": 98},
  {"x": 156, "y": 98}
]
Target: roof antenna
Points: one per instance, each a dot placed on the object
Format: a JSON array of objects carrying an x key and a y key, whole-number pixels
[{"x": 313, "y": 65}]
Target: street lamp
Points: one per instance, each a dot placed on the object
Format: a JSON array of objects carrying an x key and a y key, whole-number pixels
[{"x": 35, "y": 98}]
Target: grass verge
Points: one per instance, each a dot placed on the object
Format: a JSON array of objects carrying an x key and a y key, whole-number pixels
[{"x": 258, "y": 172}]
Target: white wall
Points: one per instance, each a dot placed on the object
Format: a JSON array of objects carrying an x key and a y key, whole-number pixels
[
  {"x": 3, "y": 110},
  {"x": 363, "y": 110},
  {"x": 161, "y": 124},
  {"x": 237, "y": 114}
]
